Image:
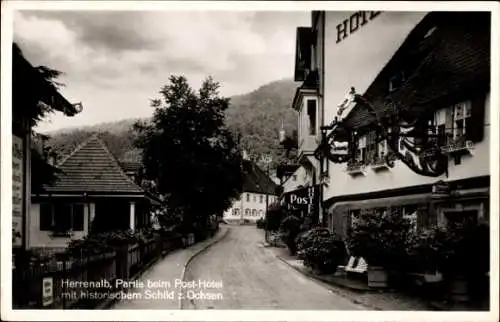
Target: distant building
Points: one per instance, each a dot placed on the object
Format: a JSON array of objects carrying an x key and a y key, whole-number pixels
[{"x": 257, "y": 187}]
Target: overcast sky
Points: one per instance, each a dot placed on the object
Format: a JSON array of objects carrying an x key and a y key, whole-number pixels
[{"x": 114, "y": 62}]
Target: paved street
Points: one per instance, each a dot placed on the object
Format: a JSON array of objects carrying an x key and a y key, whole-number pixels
[{"x": 245, "y": 275}]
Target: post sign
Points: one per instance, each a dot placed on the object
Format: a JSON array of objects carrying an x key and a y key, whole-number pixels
[
  {"x": 17, "y": 190},
  {"x": 305, "y": 199},
  {"x": 47, "y": 291}
]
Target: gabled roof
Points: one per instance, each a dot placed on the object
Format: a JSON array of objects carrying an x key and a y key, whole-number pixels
[
  {"x": 91, "y": 168},
  {"x": 256, "y": 181},
  {"x": 446, "y": 57}
]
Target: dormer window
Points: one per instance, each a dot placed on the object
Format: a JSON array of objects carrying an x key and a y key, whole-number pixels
[
  {"x": 397, "y": 81},
  {"x": 430, "y": 32}
]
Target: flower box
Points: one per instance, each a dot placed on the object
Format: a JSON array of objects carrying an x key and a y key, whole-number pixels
[
  {"x": 458, "y": 145},
  {"x": 379, "y": 163},
  {"x": 356, "y": 168}
]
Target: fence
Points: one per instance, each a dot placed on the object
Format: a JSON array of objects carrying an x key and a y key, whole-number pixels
[{"x": 83, "y": 282}]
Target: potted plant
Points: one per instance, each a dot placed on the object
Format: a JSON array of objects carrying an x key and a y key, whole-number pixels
[
  {"x": 381, "y": 241},
  {"x": 426, "y": 251}
]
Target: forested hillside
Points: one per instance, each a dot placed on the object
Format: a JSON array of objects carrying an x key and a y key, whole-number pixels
[{"x": 257, "y": 116}]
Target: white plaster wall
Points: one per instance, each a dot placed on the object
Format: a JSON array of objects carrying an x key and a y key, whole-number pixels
[
  {"x": 244, "y": 204},
  {"x": 401, "y": 176},
  {"x": 357, "y": 59},
  {"x": 299, "y": 178},
  {"x": 40, "y": 238}
]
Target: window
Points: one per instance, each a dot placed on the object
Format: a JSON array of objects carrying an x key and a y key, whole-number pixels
[
  {"x": 61, "y": 217},
  {"x": 254, "y": 213},
  {"x": 411, "y": 213},
  {"x": 462, "y": 120},
  {"x": 430, "y": 32},
  {"x": 248, "y": 197},
  {"x": 247, "y": 212},
  {"x": 261, "y": 197},
  {"x": 361, "y": 152},
  {"x": 454, "y": 123},
  {"x": 369, "y": 149},
  {"x": 461, "y": 217},
  {"x": 397, "y": 81},
  {"x": 236, "y": 211},
  {"x": 254, "y": 198},
  {"x": 380, "y": 211},
  {"x": 311, "y": 113},
  {"x": 294, "y": 177},
  {"x": 261, "y": 213}
]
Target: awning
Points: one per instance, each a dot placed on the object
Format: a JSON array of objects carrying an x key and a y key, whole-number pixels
[{"x": 383, "y": 202}]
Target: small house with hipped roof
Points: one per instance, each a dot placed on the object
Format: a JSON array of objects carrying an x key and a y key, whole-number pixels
[{"x": 92, "y": 193}]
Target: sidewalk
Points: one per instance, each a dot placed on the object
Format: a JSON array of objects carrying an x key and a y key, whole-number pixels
[
  {"x": 357, "y": 291},
  {"x": 167, "y": 270}
]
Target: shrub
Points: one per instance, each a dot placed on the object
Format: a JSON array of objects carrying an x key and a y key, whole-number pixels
[
  {"x": 381, "y": 239},
  {"x": 456, "y": 249},
  {"x": 427, "y": 250},
  {"x": 290, "y": 228},
  {"x": 274, "y": 216},
  {"x": 261, "y": 223},
  {"x": 306, "y": 239},
  {"x": 323, "y": 251}
]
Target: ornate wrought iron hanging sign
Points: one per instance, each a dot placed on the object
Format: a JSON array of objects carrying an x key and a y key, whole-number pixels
[{"x": 400, "y": 130}]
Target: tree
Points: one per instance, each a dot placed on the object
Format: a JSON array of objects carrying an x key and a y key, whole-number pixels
[
  {"x": 28, "y": 90},
  {"x": 191, "y": 153}
]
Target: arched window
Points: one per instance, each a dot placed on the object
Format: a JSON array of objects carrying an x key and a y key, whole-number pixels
[
  {"x": 254, "y": 213},
  {"x": 247, "y": 212}
]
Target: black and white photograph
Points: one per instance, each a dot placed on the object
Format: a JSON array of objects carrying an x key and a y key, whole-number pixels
[{"x": 266, "y": 162}]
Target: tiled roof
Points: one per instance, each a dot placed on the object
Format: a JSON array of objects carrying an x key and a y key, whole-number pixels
[
  {"x": 92, "y": 168},
  {"x": 449, "y": 64},
  {"x": 255, "y": 180}
]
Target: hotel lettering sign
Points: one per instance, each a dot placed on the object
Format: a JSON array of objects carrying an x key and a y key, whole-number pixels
[
  {"x": 354, "y": 22},
  {"x": 17, "y": 190}
]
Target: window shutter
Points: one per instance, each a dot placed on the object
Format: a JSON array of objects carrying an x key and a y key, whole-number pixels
[
  {"x": 476, "y": 132},
  {"x": 45, "y": 216}
]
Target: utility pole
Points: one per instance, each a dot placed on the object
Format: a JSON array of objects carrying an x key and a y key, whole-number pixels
[{"x": 267, "y": 159}]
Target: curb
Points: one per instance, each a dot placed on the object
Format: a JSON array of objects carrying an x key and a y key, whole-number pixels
[
  {"x": 199, "y": 252},
  {"x": 431, "y": 306},
  {"x": 313, "y": 278}
]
